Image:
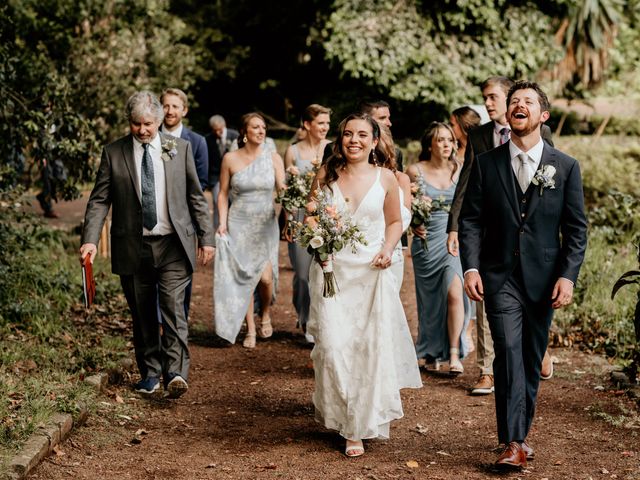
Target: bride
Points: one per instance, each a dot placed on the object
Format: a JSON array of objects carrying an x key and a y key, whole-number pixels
[{"x": 364, "y": 353}]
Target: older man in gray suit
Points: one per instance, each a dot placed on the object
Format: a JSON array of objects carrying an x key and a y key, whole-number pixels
[{"x": 150, "y": 182}]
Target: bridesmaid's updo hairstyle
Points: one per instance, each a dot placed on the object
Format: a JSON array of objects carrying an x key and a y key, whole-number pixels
[
  {"x": 312, "y": 111},
  {"x": 337, "y": 160},
  {"x": 244, "y": 125},
  {"x": 427, "y": 139}
]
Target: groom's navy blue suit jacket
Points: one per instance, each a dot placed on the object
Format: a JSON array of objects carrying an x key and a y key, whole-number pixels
[{"x": 500, "y": 228}]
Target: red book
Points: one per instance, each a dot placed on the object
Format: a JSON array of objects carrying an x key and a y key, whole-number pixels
[{"x": 88, "y": 282}]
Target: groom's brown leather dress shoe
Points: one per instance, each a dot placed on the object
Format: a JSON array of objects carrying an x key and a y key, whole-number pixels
[
  {"x": 513, "y": 456},
  {"x": 528, "y": 451}
]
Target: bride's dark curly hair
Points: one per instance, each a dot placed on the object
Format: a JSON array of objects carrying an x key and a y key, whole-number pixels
[{"x": 337, "y": 161}]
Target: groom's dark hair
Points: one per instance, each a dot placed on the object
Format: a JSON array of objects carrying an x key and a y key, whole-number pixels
[{"x": 545, "y": 106}]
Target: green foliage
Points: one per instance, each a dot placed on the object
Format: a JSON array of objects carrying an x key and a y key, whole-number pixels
[
  {"x": 439, "y": 54},
  {"x": 611, "y": 176},
  {"x": 47, "y": 340},
  {"x": 594, "y": 320},
  {"x": 607, "y": 163},
  {"x": 66, "y": 69}
]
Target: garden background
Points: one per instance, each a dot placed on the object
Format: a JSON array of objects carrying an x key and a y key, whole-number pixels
[{"x": 66, "y": 69}]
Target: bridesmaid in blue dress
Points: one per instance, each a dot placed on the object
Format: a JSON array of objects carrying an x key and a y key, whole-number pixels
[
  {"x": 443, "y": 308},
  {"x": 301, "y": 158},
  {"x": 247, "y": 238}
]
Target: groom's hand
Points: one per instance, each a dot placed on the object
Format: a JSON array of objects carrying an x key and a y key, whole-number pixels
[
  {"x": 473, "y": 286},
  {"x": 562, "y": 293}
]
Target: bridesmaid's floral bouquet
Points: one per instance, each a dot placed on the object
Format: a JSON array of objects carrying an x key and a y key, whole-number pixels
[
  {"x": 295, "y": 195},
  {"x": 326, "y": 231},
  {"x": 422, "y": 206}
]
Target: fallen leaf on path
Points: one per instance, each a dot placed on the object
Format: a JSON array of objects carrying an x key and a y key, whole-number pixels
[
  {"x": 558, "y": 462},
  {"x": 412, "y": 464},
  {"x": 628, "y": 454},
  {"x": 211, "y": 465},
  {"x": 604, "y": 471},
  {"x": 141, "y": 432},
  {"x": 58, "y": 451},
  {"x": 421, "y": 429},
  {"x": 119, "y": 399},
  {"x": 268, "y": 466},
  {"x": 442, "y": 452}
]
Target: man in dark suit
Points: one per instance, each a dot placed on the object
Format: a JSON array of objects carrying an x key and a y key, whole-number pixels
[
  {"x": 482, "y": 139},
  {"x": 176, "y": 106},
  {"x": 523, "y": 235},
  {"x": 218, "y": 143},
  {"x": 158, "y": 210}
]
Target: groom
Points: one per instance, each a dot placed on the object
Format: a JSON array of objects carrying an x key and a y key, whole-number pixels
[
  {"x": 523, "y": 235},
  {"x": 150, "y": 182}
]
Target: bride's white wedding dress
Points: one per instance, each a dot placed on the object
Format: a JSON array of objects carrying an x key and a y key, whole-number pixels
[{"x": 363, "y": 353}]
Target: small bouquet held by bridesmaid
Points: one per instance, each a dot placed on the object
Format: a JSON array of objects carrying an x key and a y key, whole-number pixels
[
  {"x": 295, "y": 195},
  {"x": 422, "y": 206},
  {"x": 326, "y": 231}
]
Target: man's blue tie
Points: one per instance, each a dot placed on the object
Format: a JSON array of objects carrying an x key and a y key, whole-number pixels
[{"x": 149, "y": 215}]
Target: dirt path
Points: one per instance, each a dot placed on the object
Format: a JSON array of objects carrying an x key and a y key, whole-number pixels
[{"x": 248, "y": 414}]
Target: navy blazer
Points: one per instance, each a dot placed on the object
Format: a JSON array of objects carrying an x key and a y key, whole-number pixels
[
  {"x": 480, "y": 140},
  {"x": 200, "y": 154},
  {"x": 547, "y": 238}
]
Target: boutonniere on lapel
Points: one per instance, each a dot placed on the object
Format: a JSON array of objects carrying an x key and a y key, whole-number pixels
[
  {"x": 544, "y": 178},
  {"x": 169, "y": 149}
]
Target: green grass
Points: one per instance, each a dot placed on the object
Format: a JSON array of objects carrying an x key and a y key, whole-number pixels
[
  {"x": 48, "y": 342},
  {"x": 594, "y": 320}
]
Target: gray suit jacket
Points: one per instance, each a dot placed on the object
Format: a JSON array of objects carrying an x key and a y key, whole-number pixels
[{"x": 117, "y": 187}]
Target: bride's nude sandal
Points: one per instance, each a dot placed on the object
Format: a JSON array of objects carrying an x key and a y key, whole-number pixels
[{"x": 353, "y": 451}]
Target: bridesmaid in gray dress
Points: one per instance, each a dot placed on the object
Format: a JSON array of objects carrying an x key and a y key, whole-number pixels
[
  {"x": 443, "y": 308},
  {"x": 247, "y": 237},
  {"x": 300, "y": 159}
]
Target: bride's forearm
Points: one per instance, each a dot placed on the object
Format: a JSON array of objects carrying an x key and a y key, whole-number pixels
[{"x": 392, "y": 234}]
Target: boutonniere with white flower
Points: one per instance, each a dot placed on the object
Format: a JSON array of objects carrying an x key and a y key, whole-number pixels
[
  {"x": 169, "y": 149},
  {"x": 544, "y": 178}
]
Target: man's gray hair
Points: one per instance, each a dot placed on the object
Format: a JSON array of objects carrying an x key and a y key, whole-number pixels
[
  {"x": 217, "y": 120},
  {"x": 144, "y": 103}
]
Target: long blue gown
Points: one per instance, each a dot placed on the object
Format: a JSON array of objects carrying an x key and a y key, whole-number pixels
[{"x": 434, "y": 270}]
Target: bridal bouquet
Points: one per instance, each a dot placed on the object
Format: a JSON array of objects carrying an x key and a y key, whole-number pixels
[
  {"x": 295, "y": 195},
  {"x": 422, "y": 206},
  {"x": 325, "y": 232}
]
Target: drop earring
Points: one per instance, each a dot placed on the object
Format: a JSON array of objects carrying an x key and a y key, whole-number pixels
[{"x": 244, "y": 139}]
